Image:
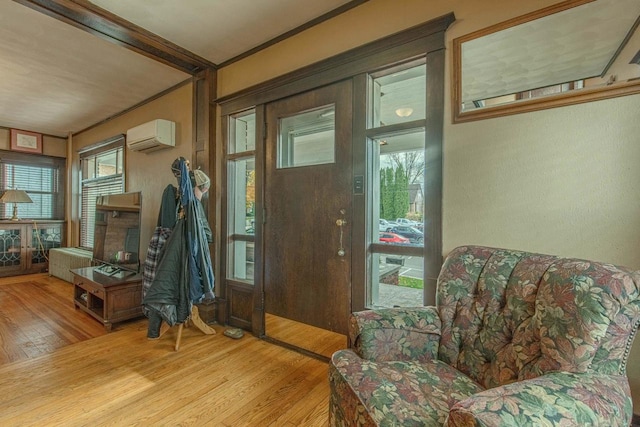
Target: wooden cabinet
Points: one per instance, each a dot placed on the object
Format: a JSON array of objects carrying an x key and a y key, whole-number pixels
[
  {"x": 24, "y": 245},
  {"x": 106, "y": 298}
]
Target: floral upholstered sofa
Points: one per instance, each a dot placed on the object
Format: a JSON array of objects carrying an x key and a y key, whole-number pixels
[{"x": 515, "y": 339}]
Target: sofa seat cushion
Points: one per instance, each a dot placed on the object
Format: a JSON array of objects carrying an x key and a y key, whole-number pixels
[
  {"x": 555, "y": 399},
  {"x": 407, "y": 393}
]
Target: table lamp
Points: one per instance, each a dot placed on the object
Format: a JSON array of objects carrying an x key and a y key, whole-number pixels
[{"x": 15, "y": 197}]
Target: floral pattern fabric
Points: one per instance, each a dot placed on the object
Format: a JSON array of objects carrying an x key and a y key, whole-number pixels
[
  {"x": 416, "y": 393},
  {"x": 514, "y": 339},
  {"x": 389, "y": 334},
  {"x": 556, "y": 399}
]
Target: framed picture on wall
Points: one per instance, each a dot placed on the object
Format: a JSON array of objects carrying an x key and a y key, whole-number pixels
[{"x": 25, "y": 141}]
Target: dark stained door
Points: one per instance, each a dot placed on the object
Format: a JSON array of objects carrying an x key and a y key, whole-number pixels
[{"x": 307, "y": 243}]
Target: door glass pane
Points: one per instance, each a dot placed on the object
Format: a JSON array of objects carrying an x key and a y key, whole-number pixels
[
  {"x": 397, "y": 281},
  {"x": 241, "y": 261},
  {"x": 241, "y": 218},
  {"x": 399, "y": 97},
  {"x": 398, "y": 212},
  {"x": 242, "y": 130},
  {"x": 307, "y": 139},
  {"x": 242, "y": 196}
]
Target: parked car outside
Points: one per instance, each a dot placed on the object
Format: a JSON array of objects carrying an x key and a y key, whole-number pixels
[
  {"x": 385, "y": 225},
  {"x": 393, "y": 238},
  {"x": 413, "y": 234},
  {"x": 406, "y": 222}
]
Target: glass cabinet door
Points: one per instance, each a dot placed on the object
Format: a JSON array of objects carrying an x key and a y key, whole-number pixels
[
  {"x": 11, "y": 248},
  {"x": 43, "y": 238}
]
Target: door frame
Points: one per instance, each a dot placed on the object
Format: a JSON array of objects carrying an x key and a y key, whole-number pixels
[{"x": 237, "y": 300}]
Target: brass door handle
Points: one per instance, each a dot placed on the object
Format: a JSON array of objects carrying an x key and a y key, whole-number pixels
[{"x": 341, "y": 222}]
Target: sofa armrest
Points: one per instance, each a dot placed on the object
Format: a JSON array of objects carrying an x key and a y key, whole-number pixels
[
  {"x": 554, "y": 399},
  {"x": 396, "y": 333}
]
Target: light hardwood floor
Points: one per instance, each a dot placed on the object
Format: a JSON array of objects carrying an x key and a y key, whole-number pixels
[
  {"x": 315, "y": 340},
  {"x": 59, "y": 367}
]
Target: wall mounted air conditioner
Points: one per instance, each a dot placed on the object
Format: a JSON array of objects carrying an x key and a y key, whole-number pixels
[{"x": 151, "y": 136}]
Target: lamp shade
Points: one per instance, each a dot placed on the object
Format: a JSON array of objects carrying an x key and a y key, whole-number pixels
[{"x": 15, "y": 196}]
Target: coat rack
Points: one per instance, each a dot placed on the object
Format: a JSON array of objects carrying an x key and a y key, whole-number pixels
[{"x": 197, "y": 322}]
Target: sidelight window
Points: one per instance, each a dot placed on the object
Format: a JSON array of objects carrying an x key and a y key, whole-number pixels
[
  {"x": 396, "y": 146},
  {"x": 241, "y": 200}
]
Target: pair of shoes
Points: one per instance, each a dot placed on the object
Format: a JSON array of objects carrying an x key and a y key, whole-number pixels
[{"x": 235, "y": 333}]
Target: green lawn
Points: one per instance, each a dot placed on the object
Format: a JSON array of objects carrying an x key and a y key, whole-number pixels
[{"x": 410, "y": 282}]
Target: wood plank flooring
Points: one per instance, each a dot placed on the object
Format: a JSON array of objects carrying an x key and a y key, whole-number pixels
[
  {"x": 60, "y": 368},
  {"x": 36, "y": 317},
  {"x": 307, "y": 337}
]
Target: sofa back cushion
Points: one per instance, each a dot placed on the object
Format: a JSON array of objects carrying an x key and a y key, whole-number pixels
[{"x": 509, "y": 315}]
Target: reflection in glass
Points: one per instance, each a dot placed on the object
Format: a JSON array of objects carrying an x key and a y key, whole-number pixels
[
  {"x": 396, "y": 281},
  {"x": 564, "y": 50},
  {"x": 398, "y": 212},
  {"x": 399, "y": 97},
  {"x": 307, "y": 139}
]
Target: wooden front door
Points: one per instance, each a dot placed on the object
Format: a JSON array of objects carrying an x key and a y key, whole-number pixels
[{"x": 308, "y": 181}]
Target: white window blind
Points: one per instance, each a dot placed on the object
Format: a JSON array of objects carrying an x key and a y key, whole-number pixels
[
  {"x": 102, "y": 174},
  {"x": 41, "y": 177}
]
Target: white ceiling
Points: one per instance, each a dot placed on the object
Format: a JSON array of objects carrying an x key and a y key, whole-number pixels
[
  {"x": 218, "y": 30},
  {"x": 56, "y": 78}
]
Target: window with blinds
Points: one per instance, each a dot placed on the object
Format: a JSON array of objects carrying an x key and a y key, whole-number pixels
[
  {"x": 41, "y": 177},
  {"x": 102, "y": 171}
]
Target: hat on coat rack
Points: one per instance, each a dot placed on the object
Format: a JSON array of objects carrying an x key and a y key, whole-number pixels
[{"x": 201, "y": 179}]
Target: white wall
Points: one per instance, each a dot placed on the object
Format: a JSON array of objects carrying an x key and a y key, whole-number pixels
[
  {"x": 148, "y": 173},
  {"x": 563, "y": 181}
]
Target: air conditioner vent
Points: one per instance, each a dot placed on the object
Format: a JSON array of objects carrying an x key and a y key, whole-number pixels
[{"x": 151, "y": 136}]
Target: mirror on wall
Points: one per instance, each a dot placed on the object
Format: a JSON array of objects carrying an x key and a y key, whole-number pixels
[
  {"x": 117, "y": 234},
  {"x": 574, "y": 51}
]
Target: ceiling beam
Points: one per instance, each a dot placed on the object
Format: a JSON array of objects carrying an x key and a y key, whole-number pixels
[{"x": 102, "y": 23}]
